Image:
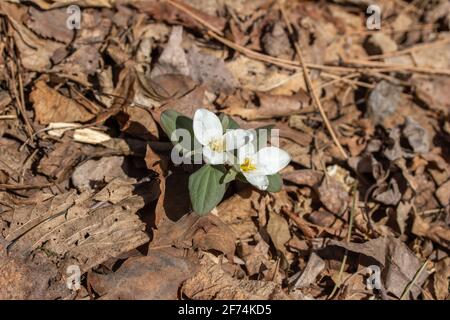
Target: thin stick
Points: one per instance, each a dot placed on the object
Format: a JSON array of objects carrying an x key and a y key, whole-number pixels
[
  {"x": 397, "y": 67},
  {"x": 413, "y": 281},
  {"x": 8, "y": 117},
  {"x": 216, "y": 34},
  {"x": 4, "y": 186},
  {"x": 415, "y": 48},
  {"x": 288, "y": 64},
  {"x": 349, "y": 236},
  {"x": 311, "y": 86}
]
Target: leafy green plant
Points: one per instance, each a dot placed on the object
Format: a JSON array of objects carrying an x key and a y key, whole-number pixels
[{"x": 226, "y": 153}]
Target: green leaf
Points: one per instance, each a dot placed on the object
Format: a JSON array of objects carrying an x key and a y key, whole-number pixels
[
  {"x": 172, "y": 120},
  {"x": 206, "y": 189},
  {"x": 229, "y": 176},
  {"x": 275, "y": 183},
  {"x": 169, "y": 121},
  {"x": 228, "y": 122}
]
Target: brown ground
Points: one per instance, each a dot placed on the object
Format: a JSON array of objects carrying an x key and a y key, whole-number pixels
[{"x": 365, "y": 120}]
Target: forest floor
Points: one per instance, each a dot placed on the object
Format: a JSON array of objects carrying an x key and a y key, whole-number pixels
[{"x": 88, "y": 188}]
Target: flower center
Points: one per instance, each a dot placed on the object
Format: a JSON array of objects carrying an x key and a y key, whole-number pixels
[
  {"x": 217, "y": 145},
  {"x": 247, "y": 165}
]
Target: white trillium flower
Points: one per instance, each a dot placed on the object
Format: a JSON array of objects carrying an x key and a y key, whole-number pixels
[
  {"x": 257, "y": 166},
  {"x": 216, "y": 144}
]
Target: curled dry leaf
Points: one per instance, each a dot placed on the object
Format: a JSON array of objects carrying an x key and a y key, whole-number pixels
[
  {"x": 138, "y": 122},
  {"x": 443, "y": 194},
  {"x": 202, "y": 68},
  {"x": 255, "y": 75},
  {"x": 156, "y": 276}
]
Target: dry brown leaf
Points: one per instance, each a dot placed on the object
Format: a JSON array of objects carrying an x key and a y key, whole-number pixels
[
  {"x": 333, "y": 195},
  {"x": 138, "y": 123},
  {"x": 278, "y": 229},
  {"x": 314, "y": 267},
  {"x": 51, "y": 106},
  {"x": 441, "y": 279},
  {"x": 84, "y": 230},
  {"x": 213, "y": 234},
  {"x": 162, "y": 11},
  {"x": 239, "y": 211},
  {"x": 211, "y": 282},
  {"x": 48, "y": 24},
  {"x": 433, "y": 91},
  {"x": 154, "y": 277},
  {"x": 438, "y": 231},
  {"x": 307, "y": 177},
  {"x": 269, "y": 106},
  {"x": 206, "y": 233},
  {"x": 255, "y": 257},
  {"x": 94, "y": 173},
  {"x": 443, "y": 194},
  {"x": 35, "y": 53},
  {"x": 20, "y": 280},
  {"x": 398, "y": 264},
  {"x": 255, "y": 75}
]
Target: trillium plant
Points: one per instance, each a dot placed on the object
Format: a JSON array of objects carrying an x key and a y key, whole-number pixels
[{"x": 226, "y": 153}]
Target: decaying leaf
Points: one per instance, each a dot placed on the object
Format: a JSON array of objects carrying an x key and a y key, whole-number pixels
[
  {"x": 383, "y": 101},
  {"x": 239, "y": 213},
  {"x": 315, "y": 266},
  {"x": 398, "y": 264},
  {"x": 86, "y": 171},
  {"x": 84, "y": 230},
  {"x": 51, "y": 106},
  {"x": 438, "y": 231},
  {"x": 333, "y": 195},
  {"x": 211, "y": 282},
  {"x": 156, "y": 276},
  {"x": 278, "y": 229}
]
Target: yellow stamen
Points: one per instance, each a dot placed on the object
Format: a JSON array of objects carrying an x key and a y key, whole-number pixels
[
  {"x": 217, "y": 145},
  {"x": 247, "y": 165}
]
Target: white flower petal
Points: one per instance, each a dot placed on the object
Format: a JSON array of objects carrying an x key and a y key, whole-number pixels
[
  {"x": 270, "y": 160},
  {"x": 234, "y": 139},
  {"x": 214, "y": 157},
  {"x": 246, "y": 151},
  {"x": 207, "y": 126},
  {"x": 259, "y": 181}
]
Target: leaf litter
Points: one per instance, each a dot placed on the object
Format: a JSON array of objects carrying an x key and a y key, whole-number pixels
[{"x": 86, "y": 177}]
